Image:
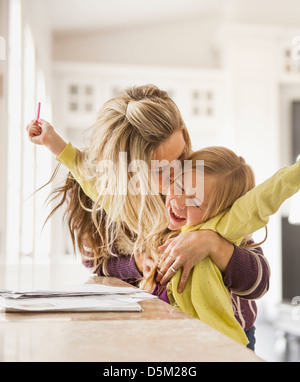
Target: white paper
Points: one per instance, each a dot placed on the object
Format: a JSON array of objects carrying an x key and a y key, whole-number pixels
[
  {"x": 71, "y": 304},
  {"x": 78, "y": 298},
  {"x": 73, "y": 290}
]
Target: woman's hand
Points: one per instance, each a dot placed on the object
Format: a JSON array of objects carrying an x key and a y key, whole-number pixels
[
  {"x": 42, "y": 133},
  {"x": 187, "y": 250}
]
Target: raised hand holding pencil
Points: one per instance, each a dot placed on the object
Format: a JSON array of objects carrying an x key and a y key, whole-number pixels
[
  {"x": 42, "y": 132},
  {"x": 38, "y": 112}
]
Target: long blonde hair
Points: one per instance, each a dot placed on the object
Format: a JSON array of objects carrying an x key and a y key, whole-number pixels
[
  {"x": 136, "y": 122},
  {"x": 233, "y": 178}
]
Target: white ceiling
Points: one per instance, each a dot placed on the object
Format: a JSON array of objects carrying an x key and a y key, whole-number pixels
[{"x": 66, "y": 15}]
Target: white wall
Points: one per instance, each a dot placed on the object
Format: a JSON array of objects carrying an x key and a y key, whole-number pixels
[
  {"x": 27, "y": 81},
  {"x": 180, "y": 44},
  {"x": 3, "y": 130},
  {"x": 251, "y": 56},
  {"x": 36, "y": 15}
]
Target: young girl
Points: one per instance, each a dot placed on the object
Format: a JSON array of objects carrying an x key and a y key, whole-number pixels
[
  {"x": 229, "y": 207},
  {"x": 233, "y": 208}
]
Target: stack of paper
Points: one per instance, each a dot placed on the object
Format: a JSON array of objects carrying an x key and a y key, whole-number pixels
[{"x": 78, "y": 298}]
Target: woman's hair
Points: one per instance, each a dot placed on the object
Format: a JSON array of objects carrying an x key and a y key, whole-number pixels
[
  {"x": 233, "y": 178},
  {"x": 136, "y": 122},
  {"x": 78, "y": 216}
]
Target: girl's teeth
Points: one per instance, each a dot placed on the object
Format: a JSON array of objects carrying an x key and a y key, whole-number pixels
[{"x": 178, "y": 216}]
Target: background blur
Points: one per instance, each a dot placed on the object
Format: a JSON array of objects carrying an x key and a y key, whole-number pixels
[{"x": 232, "y": 67}]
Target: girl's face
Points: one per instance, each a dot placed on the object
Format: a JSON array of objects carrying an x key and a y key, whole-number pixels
[{"x": 180, "y": 211}]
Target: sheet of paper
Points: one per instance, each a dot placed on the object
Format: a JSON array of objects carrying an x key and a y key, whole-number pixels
[
  {"x": 78, "y": 298},
  {"x": 71, "y": 304},
  {"x": 73, "y": 290}
]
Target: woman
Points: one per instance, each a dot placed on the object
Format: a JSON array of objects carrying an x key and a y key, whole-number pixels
[{"x": 146, "y": 123}]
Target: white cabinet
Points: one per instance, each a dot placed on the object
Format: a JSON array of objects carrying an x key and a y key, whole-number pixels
[{"x": 81, "y": 89}]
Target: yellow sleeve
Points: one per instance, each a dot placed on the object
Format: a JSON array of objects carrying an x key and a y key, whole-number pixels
[
  {"x": 252, "y": 211},
  {"x": 72, "y": 161}
]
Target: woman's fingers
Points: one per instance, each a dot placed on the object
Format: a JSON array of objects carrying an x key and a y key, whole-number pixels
[
  {"x": 184, "y": 278},
  {"x": 167, "y": 258},
  {"x": 167, "y": 247},
  {"x": 167, "y": 263},
  {"x": 170, "y": 271},
  {"x": 166, "y": 244},
  {"x": 163, "y": 266}
]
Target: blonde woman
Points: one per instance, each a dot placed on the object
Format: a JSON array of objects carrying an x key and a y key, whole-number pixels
[{"x": 145, "y": 123}]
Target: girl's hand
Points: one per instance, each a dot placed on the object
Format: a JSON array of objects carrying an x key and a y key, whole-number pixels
[
  {"x": 144, "y": 263},
  {"x": 42, "y": 132},
  {"x": 187, "y": 250}
]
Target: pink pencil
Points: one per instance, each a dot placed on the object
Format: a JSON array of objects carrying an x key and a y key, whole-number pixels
[{"x": 38, "y": 111}]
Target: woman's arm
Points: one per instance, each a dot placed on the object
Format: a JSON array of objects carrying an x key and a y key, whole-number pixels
[
  {"x": 248, "y": 273},
  {"x": 124, "y": 267},
  {"x": 121, "y": 267},
  {"x": 245, "y": 271},
  {"x": 188, "y": 249}
]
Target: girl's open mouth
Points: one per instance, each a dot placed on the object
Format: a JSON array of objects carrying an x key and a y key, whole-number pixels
[{"x": 175, "y": 217}]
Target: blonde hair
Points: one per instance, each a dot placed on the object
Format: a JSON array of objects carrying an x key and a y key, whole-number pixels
[
  {"x": 135, "y": 122},
  {"x": 233, "y": 178},
  {"x": 78, "y": 218}
]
